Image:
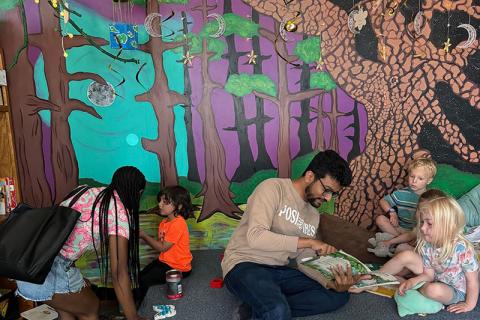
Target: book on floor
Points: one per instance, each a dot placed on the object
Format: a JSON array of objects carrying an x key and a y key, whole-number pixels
[
  {"x": 384, "y": 291},
  {"x": 42, "y": 312},
  {"x": 318, "y": 268}
]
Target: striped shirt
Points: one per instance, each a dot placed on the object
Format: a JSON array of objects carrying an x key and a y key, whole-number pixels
[{"x": 406, "y": 202}]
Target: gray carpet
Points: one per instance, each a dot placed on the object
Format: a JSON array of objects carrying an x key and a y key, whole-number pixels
[{"x": 202, "y": 302}]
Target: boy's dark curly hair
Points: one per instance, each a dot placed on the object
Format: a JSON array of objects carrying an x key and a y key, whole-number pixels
[
  {"x": 329, "y": 162},
  {"x": 180, "y": 198}
]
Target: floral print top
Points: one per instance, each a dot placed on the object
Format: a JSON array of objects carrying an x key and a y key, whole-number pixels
[
  {"x": 81, "y": 239},
  {"x": 452, "y": 270}
]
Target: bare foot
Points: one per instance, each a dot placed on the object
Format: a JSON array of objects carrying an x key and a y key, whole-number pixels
[{"x": 360, "y": 290}]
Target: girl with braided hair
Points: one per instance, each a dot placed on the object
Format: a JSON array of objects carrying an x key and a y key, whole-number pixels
[{"x": 108, "y": 224}]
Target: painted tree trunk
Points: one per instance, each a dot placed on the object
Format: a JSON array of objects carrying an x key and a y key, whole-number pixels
[
  {"x": 355, "y": 138},
  {"x": 246, "y": 168},
  {"x": 333, "y": 115},
  {"x": 284, "y": 155},
  {"x": 304, "y": 119},
  {"x": 193, "y": 174},
  {"x": 319, "y": 140},
  {"x": 216, "y": 192},
  {"x": 163, "y": 100},
  {"x": 27, "y": 124},
  {"x": 64, "y": 161},
  {"x": 283, "y": 103},
  {"x": 263, "y": 161}
]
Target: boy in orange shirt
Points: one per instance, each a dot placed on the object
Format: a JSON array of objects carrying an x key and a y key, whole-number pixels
[{"x": 173, "y": 242}]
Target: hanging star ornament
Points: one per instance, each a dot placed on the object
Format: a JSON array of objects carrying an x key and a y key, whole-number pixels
[
  {"x": 187, "y": 58},
  {"x": 446, "y": 45},
  {"x": 320, "y": 64},
  {"x": 252, "y": 57},
  {"x": 383, "y": 52}
]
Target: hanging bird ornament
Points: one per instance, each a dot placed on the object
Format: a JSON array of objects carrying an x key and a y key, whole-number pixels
[{"x": 357, "y": 19}]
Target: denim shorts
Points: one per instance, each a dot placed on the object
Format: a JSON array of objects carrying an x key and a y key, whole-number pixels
[
  {"x": 64, "y": 277},
  {"x": 458, "y": 296}
]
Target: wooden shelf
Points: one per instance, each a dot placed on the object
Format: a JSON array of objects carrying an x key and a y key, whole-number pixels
[{"x": 8, "y": 163}]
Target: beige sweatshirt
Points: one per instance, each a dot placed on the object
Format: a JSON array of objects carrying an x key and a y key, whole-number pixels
[{"x": 276, "y": 216}]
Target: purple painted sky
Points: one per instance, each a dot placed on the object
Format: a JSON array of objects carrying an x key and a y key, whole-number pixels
[{"x": 222, "y": 102}]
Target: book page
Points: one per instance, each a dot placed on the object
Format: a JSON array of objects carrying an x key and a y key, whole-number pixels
[
  {"x": 323, "y": 264},
  {"x": 42, "y": 312}
]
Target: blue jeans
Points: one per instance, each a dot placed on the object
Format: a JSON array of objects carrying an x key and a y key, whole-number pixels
[{"x": 280, "y": 292}]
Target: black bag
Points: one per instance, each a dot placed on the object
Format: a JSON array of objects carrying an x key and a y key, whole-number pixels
[{"x": 31, "y": 238}]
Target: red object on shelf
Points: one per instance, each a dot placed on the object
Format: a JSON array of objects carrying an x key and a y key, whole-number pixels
[
  {"x": 216, "y": 283},
  {"x": 12, "y": 194}
]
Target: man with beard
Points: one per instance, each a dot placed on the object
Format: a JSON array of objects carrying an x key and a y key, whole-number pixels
[{"x": 281, "y": 223}]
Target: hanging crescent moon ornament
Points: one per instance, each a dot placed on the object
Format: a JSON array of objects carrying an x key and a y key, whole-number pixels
[
  {"x": 282, "y": 31},
  {"x": 419, "y": 23},
  {"x": 221, "y": 25},
  {"x": 149, "y": 24},
  {"x": 472, "y": 35}
]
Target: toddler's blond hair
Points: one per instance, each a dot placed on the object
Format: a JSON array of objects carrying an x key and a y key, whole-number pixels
[{"x": 428, "y": 164}]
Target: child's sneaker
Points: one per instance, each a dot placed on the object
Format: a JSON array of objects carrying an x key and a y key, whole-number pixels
[
  {"x": 164, "y": 311},
  {"x": 163, "y": 307}
]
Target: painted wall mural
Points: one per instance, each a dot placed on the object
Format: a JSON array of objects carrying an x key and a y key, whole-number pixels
[
  {"x": 401, "y": 70},
  {"x": 220, "y": 95}
]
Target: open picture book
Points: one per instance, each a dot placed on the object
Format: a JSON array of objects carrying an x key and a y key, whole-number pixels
[{"x": 318, "y": 268}]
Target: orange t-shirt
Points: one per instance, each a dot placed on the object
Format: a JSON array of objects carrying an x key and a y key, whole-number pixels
[{"x": 176, "y": 232}]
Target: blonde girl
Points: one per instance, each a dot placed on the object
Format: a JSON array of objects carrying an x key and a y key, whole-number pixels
[{"x": 444, "y": 259}]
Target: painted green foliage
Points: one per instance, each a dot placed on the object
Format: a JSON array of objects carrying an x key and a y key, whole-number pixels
[
  {"x": 322, "y": 80},
  {"x": 9, "y": 4},
  {"x": 243, "y": 84},
  {"x": 233, "y": 24},
  {"x": 213, "y": 45},
  {"x": 308, "y": 50},
  {"x": 142, "y": 2}
]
